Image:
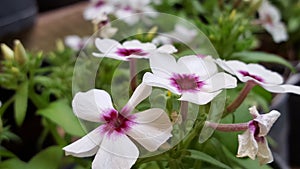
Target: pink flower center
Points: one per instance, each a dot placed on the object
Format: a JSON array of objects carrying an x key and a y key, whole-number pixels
[
  {"x": 128, "y": 52},
  {"x": 245, "y": 73},
  {"x": 186, "y": 82},
  {"x": 255, "y": 129},
  {"x": 116, "y": 122},
  {"x": 99, "y": 3}
]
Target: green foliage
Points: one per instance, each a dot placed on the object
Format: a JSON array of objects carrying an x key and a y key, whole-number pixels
[{"x": 61, "y": 114}]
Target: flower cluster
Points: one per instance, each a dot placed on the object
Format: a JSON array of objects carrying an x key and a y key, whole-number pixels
[
  {"x": 121, "y": 9},
  {"x": 195, "y": 78}
]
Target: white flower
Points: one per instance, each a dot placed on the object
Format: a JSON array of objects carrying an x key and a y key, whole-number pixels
[
  {"x": 132, "y": 11},
  {"x": 197, "y": 80},
  {"x": 103, "y": 26},
  {"x": 75, "y": 42},
  {"x": 111, "y": 141},
  {"x": 269, "y": 17},
  {"x": 271, "y": 81},
  {"x": 98, "y": 7},
  {"x": 180, "y": 34},
  {"x": 252, "y": 142},
  {"x": 129, "y": 49}
]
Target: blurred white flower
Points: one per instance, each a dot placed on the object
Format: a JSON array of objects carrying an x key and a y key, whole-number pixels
[
  {"x": 197, "y": 80},
  {"x": 75, "y": 42},
  {"x": 111, "y": 141},
  {"x": 132, "y": 11},
  {"x": 97, "y": 8},
  {"x": 102, "y": 25},
  {"x": 129, "y": 49},
  {"x": 270, "y": 18},
  {"x": 271, "y": 81},
  {"x": 179, "y": 34},
  {"x": 253, "y": 142}
]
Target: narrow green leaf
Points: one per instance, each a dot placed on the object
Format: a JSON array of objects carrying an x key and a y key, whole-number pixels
[
  {"x": 207, "y": 158},
  {"x": 20, "y": 104},
  {"x": 254, "y": 57},
  {"x": 61, "y": 114},
  {"x": 46, "y": 159},
  {"x": 13, "y": 163}
]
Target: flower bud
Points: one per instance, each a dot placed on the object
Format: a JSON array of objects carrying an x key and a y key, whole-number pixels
[
  {"x": 7, "y": 52},
  {"x": 20, "y": 53},
  {"x": 151, "y": 33}
]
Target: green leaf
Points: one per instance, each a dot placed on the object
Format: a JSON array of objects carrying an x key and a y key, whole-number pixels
[
  {"x": 254, "y": 57},
  {"x": 207, "y": 158},
  {"x": 46, "y": 159},
  {"x": 14, "y": 163},
  {"x": 61, "y": 114},
  {"x": 6, "y": 153},
  {"x": 20, "y": 105}
]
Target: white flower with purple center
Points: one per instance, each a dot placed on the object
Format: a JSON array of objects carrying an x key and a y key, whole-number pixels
[
  {"x": 132, "y": 11},
  {"x": 111, "y": 141},
  {"x": 271, "y": 81},
  {"x": 103, "y": 26},
  {"x": 75, "y": 42},
  {"x": 197, "y": 80},
  {"x": 129, "y": 49},
  {"x": 269, "y": 17},
  {"x": 253, "y": 142},
  {"x": 98, "y": 7}
]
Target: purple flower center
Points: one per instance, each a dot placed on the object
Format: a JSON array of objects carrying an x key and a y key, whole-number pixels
[
  {"x": 255, "y": 129},
  {"x": 186, "y": 82},
  {"x": 128, "y": 52},
  {"x": 116, "y": 122},
  {"x": 99, "y": 3},
  {"x": 245, "y": 73}
]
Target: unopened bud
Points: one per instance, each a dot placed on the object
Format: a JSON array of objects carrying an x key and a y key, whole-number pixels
[
  {"x": 7, "y": 52},
  {"x": 60, "y": 45},
  {"x": 20, "y": 53},
  {"x": 232, "y": 15},
  {"x": 151, "y": 33},
  {"x": 15, "y": 70}
]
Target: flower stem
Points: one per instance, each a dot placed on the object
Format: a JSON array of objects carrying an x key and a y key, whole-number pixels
[
  {"x": 132, "y": 66},
  {"x": 184, "y": 105},
  {"x": 239, "y": 100},
  {"x": 228, "y": 127}
]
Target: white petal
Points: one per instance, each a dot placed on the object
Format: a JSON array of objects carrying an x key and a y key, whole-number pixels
[
  {"x": 158, "y": 64},
  {"x": 167, "y": 49},
  {"x": 86, "y": 146},
  {"x": 135, "y": 44},
  {"x": 73, "y": 42},
  {"x": 286, "y": 88},
  {"x": 107, "y": 46},
  {"x": 219, "y": 81},
  {"x": 91, "y": 104},
  {"x": 253, "y": 111},
  {"x": 266, "y": 121},
  {"x": 268, "y": 76},
  {"x": 264, "y": 154},
  {"x": 153, "y": 128},
  {"x": 231, "y": 66},
  {"x": 200, "y": 98},
  {"x": 196, "y": 65},
  {"x": 116, "y": 152},
  {"x": 140, "y": 93},
  {"x": 156, "y": 81},
  {"x": 247, "y": 145},
  {"x": 113, "y": 56}
]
